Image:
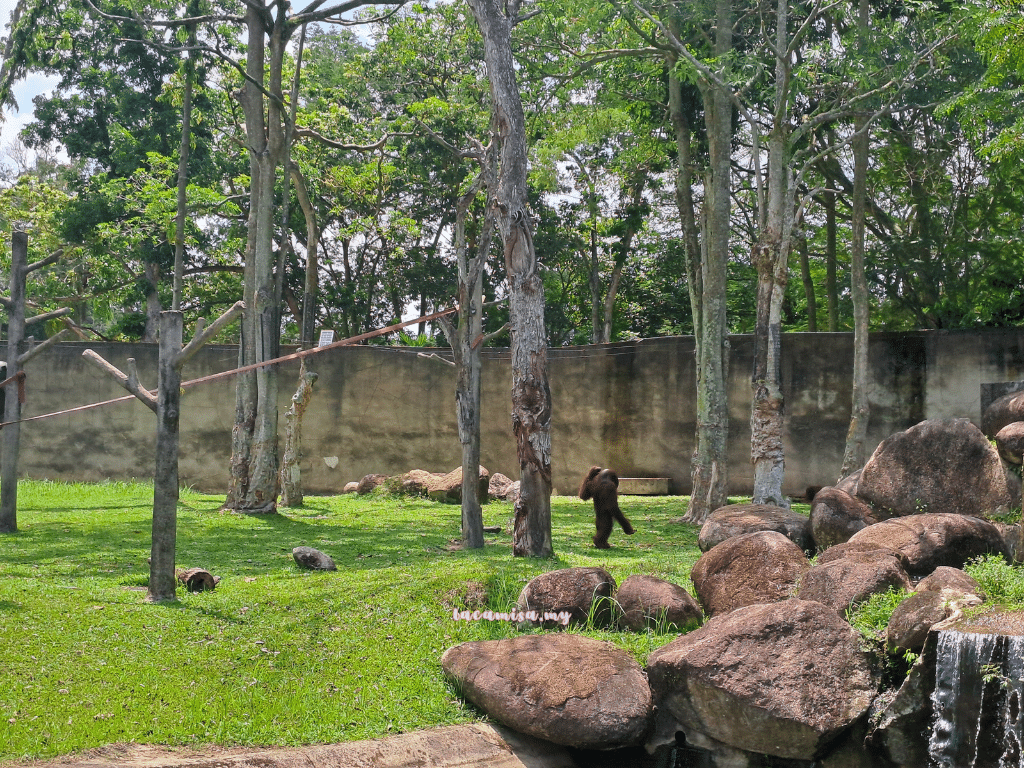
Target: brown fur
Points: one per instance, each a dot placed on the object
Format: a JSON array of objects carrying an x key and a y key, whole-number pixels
[{"x": 602, "y": 485}]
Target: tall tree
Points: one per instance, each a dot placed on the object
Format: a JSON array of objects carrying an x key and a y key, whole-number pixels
[{"x": 531, "y": 394}]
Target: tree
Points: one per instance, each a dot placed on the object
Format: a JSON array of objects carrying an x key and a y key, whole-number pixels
[{"x": 531, "y": 395}]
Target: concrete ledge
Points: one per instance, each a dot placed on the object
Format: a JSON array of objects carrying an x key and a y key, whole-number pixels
[
  {"x": 457, "y": 746},
  {"x": 643, "y": 486}
]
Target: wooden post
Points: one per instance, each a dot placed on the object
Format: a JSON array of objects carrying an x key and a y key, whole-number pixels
[
  {"x": 10, "y": 436},
  {"x": 165, "y": 479}
]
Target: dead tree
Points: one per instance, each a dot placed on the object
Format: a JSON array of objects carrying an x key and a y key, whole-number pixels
[
  {"x": 16, "y": 324},
  {"x": 166, "y": 404}
]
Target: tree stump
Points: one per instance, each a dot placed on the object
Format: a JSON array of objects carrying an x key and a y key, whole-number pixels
[{"x": 197, "y": 579}]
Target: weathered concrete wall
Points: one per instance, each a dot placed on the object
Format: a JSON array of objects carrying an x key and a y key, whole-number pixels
[{"x": 627, "y": 405}]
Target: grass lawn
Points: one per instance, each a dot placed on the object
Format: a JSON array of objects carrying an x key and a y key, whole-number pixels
[{"x": 275, "y": 655}]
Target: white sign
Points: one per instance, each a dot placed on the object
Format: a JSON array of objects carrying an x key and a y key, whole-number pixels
[{"x": 326, "y": 337}]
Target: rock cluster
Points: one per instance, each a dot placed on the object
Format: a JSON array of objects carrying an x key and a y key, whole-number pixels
[
  {"x": 440, "y": 486},
  {"x": 776, "y": 670}
]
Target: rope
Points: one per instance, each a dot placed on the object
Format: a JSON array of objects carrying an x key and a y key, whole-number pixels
[{"x": 20, "y": 376}]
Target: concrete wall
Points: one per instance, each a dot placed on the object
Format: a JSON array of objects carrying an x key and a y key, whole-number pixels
[{"x": 630, "y": 406}]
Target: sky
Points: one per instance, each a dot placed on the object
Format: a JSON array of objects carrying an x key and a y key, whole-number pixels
[{"x": 23, "y": 92}]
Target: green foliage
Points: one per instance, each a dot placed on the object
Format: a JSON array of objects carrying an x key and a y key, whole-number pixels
[
  {"x": 1001, "y": 582},
  {"x": 871, "y": 617},
  {"x": 247, "y": 663}
]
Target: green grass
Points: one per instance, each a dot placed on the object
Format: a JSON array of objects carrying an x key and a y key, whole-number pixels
[{"x": 275, "y": 655}]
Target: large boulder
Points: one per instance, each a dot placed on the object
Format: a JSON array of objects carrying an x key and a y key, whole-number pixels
[
  {"x": 1010, "y": 442},
  {"x": 916, "y": 616},
  {"x": 845, "y": 583},
  {"x": 936, "y": 466},
  {"x": 955, "y": 579},
  {"x": 738, "y": 519},
  {"x": 448, "y": 488},
  {"x": 647, "y": 601},
  {"x": 928, "y": 541},
  {"x": 836, "y": 516},
  {"x": 415, "y": 482},
  {"x": 783, "y": 679},
  {"x": 1002, "y": 411},
  {"x": 498, "y": 485},
  {"x": 566, "y": 689},
  {"x": 370, "y": 483},
  {"x": 848, "y": 548},
  {"x": 759, "y": 567},
  {"x": 573, "y": 594}
]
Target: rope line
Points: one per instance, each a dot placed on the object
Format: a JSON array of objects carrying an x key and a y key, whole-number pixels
[{"x": 243, "y": 369}]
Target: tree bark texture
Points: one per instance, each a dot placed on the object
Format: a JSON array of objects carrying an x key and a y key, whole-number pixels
[
  {"x": 771, "y": 259},
  {"x": 531, "y": 395},
  {"x": 854, "y": 454},
  {"x": 162, "y": 581},
  {"x": 10, "y": 436},
  {"x": 709, "y": 469},
  {"x": 291, "y": 470},
  {"x": 254, "y": 459}
]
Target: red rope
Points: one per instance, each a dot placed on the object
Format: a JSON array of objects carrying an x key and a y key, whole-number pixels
[{"x": 224, "y": 374}]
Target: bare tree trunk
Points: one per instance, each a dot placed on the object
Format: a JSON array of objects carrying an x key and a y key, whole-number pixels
[
  {"x": 183, "y": 153},
  {"x": 15, "y": 393},
  {"x": 291, "y": 470},
  {"x": 11, "y": 434},
  {"x": 709, "y": 469},
  {"x": 162, "y": 582},
  {"x": 771, "y": 258},
  {"x": 254, "y": 461},
  {"x": 831, "y": 280},
  {"x": 854, "y": 455},
  {"x": 805, "y": 277},
  {"x": 634, "y": 221},
  {"x": 531, "y": 395}
]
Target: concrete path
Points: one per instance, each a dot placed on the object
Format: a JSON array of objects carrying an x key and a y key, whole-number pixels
[{"x": 458, "y": 746}]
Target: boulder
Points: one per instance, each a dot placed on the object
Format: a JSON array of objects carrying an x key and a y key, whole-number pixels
[
  {"x": 578, "y": 593},
  {"x": 916, "y": 616},
  {"x": 1002, "y": 411},
  {"x": 901, "y": 721},
  {"x": 313, "y": 559},
  {"x": 647, "y": 601},
  {"x": 845, "y": 583},
  {"x": 352, "y": 487},
  {"x": 784, "y": 679},
  {"x": 370, "y": 483},
  {"x": 944, "y": 466},
  {"x": 1010, "y": 442},
  {"x": 448, "y": 488},
  {"x": 512, "y": 494},
  {"x": 738, "y": 519},
  {"x": 759, "y": 567},
  {"x": 564, "y": 688},
  {"x": 498, "y": 485},
  {"x": 849, "y": 483},
  {"x": 836, "y": 516},
  {"x": 928, "y": 541},
  {"x": 847, "y": 548},
  {"x": 415, "y": 482},
  {"x": 955, "y": 579}
]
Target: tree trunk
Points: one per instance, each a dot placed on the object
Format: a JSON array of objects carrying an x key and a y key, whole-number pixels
[
  {"x": 771, "y": 258},
  {"x": 805, "y": 276},
  {"x": 854, "y": 455},
  {"x": 291, "y": 471},
  {"x": 162, "y": 582},
  {"x": 709, "y": 469},
  {"x": 153, "y": 308},
  {"x": 531, "y": 395},
  {"x": 831, "y": 280},
  {"x": 254, "y": 464},
  {"x": 10, "y": 436},
  {"x": 183, "y": 153}
]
